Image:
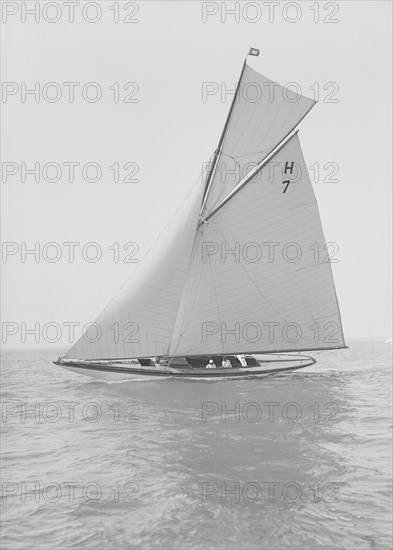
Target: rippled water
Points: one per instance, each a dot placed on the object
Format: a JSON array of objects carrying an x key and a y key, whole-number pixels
[{"x": 165, "y": 464}]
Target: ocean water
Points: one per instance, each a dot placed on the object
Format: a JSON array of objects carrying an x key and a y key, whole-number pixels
[{"x": 297, "y": 460}]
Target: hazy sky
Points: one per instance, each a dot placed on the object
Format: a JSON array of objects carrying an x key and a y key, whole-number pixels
[{"x": 165, "y": 56}]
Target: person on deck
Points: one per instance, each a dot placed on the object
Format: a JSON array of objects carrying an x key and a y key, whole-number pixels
[
  {"x": 226, "y": 364},
  {"x": 211, "y": 364}
]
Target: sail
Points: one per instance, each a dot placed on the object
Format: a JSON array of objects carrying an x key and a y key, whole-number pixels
[
  {"x": 139, "y": 321},
  {"x": 260, "y": 278},
  {"x": 263, "y": 114}
]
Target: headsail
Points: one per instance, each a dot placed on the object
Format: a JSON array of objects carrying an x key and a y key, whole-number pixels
[
  {"x": 262, "y": 115},
  {"x": 261, "y": 278},
  {"x": 139, "y": 321}
]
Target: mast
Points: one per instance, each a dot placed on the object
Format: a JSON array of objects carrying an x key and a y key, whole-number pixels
[{"x": 219, "y": 146}]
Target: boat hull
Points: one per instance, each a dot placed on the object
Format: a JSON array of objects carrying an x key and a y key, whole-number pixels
[{"x": 117, "y": 373}]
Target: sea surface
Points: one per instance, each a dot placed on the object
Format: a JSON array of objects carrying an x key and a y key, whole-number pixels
[{"x": 298, "y": 460}]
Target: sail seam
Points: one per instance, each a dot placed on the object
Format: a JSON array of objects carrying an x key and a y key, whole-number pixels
[
  {"x": 249, "y": 277},
  {"x": 215, "y": 292},
  {"x": 186, "y": 281}
]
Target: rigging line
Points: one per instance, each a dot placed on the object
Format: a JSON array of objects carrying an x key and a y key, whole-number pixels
[
  {"x": 220, "y": 196},
  {"x": 186, "y": 290},
  {"x": 316, "y": 317},
  {"x": 216, "y": 296},
  {"x": 223, "y": 134},
  {"x": 311, "y": 266},
  {"x": 250, "y": 279},
  {"x": 303, "y": 204},
  {"x": 192, "y": 296},
  {"x": 189, "y": 302},
  {"x": 237, "y": 163},
  {"x": 267, "y": 130},
  {"x": 246, "y": 154}
]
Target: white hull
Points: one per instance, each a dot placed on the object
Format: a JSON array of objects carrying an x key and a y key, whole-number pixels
[
  {"x": 104, "y": 375},
  {"x": 117, "y": 373}
]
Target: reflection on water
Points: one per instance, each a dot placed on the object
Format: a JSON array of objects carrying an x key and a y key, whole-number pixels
[{"x": 298, "y": 460}]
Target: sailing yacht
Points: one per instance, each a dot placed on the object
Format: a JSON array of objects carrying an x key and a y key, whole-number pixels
[{"x": 241, "y": 276}]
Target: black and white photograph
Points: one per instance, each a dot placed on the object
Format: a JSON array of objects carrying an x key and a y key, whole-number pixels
[{"x": 196, "y": 260}]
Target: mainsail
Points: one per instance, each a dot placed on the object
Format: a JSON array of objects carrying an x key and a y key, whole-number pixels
[
  {"x": 260, "y": 277},
  {"x": 245, "y": 269}
]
